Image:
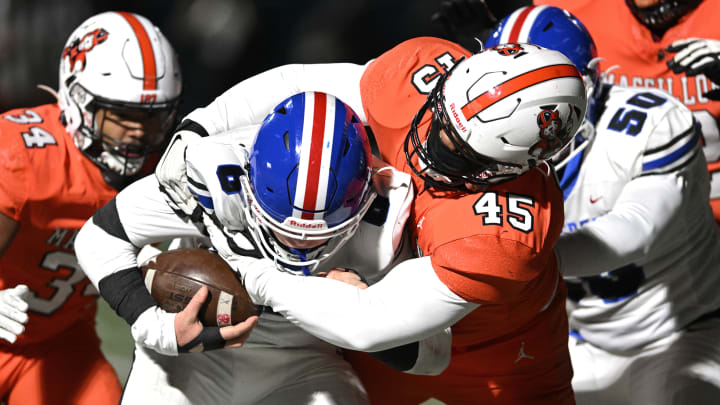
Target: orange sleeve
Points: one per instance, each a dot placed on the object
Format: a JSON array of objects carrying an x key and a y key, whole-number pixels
[
  {"x": 13, "y": 173},
  {"x": 486, "y": 269}
]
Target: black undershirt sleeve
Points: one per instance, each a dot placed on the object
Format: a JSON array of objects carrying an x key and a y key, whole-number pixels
[{"x": 401, "y": 358}]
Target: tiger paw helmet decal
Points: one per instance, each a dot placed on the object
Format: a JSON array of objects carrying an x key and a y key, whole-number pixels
[
  {"x": 553, "y": 131},
  {"x": 77, "y": 50}
]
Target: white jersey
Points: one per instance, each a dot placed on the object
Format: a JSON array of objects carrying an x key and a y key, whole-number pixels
[{"x": 637, "y": 214}]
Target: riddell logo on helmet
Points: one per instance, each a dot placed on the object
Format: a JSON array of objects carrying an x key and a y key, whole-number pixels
[
  {"x": 77, "y": 50},
  {"x": 304, "y": 225},
  {"x": 456, "y": 117}
]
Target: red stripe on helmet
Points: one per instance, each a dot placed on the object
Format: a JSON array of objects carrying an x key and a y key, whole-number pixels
[
  {"x": 515, "y": 32},
  {"x": 516, "y": 84},
  {"x": 146, "y": 49},
  {"x": 316, "y": 151}
]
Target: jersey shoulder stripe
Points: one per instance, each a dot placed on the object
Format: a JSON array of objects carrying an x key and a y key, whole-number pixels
[{"x": 673, "y": 154}]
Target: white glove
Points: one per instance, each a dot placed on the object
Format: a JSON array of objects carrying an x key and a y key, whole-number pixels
[
  {"x": 13, "y": 312},
  {"x": 695, "y": 56},
  {"x": 171, "y": 173}
]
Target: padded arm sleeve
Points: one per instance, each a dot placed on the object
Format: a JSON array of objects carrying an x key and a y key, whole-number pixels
[
  {"x": 138, "y": 216},
  {"x": 409, "y": 304},
  {"x": 249, "y": 101},
  {"x": 107, "y": 248},
  {"x": 622, "y": 236}
]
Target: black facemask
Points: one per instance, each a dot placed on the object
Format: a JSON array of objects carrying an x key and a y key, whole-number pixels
[
  {"x": 445, "y": 160},
  {"x": 663, "y": 15}
]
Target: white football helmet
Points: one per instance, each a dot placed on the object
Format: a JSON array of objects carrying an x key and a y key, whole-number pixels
[
  {"x": 504, "y": 109},
  {"x": 118, "y": 61}
]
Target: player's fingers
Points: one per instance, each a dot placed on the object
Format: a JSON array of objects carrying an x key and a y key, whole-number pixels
[
  {"x": 12, "y": 308},
  {"x": 700, "y": 66},
  {"x": 14, "y": 314},
  {"x": 678, "y": 45},
  {"x": 680, "y": 61},
  {"x": 193, "y": 307},
  {"x": 7, "y": 336},
  {"x": 18, "y": 298},
  {"x": 691, "y": 54},
  {"x": 347, "y": 277},
  {"x": 236, "y": 335},
  {"x": 8, "y": 324}
]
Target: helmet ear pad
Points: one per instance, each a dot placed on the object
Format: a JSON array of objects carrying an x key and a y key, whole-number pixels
[{"x": 71, "y": 112}]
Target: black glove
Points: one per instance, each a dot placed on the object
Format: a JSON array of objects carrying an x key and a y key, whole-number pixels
[
  {"x": 465, "y": 20},
  {"x": 696, "y": 56}
]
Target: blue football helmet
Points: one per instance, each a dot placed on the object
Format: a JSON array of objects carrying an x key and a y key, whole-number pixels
[
  {"x": 309, "y": 180},
  {"x": 556, "y": 29}
]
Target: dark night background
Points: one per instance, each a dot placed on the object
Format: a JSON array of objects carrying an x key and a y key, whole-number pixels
[{"x": 219, "y": 42}]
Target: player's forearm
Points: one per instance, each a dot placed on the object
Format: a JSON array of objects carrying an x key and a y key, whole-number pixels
[
  {"x": 409, "y": 304},
  {"x": 623, "y": 235},
  {"x": 249, "y": 102}
]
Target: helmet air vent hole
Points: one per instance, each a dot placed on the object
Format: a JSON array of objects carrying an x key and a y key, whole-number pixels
[
  {"x": 346, "y": 147},
  {"x": 548, "y": 26},
  {"x": 281, "y": 110},
  {"x": 286, "y": 140},
  {"x": 354, "y": 120},
  {"x": 106, "y": 74},
  {"x": 269, "y": 190},
  {"x": 505, "y": 141}
]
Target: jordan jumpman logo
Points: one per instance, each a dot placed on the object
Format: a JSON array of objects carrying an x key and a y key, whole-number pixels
[{"x": 522, "y": 354}]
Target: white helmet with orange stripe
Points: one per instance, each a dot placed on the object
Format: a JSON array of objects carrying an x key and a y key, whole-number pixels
[
  {"x": 120, "y": 64},
  {"x": 495, "y": 115}
]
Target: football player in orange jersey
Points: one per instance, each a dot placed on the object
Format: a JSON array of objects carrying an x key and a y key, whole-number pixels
[
  {"x": 637, "y": 41},
  {"x": 119, "y": 88},
  {"x": 473, "y": 131},
  {"x": 641, "y": 41}
]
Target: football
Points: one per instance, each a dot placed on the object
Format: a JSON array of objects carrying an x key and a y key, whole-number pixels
[{"x": 174, "y": 276}]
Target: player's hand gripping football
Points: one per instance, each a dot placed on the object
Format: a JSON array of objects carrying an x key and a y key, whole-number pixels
[
  {"x": 13, "y": 312},
  {"x": 695, "y": 56},
  {"x": 192, "y": 336},
  {"x": 171, "y": 173}
]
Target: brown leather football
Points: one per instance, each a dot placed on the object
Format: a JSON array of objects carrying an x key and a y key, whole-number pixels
[{"x": 174, "y": 276}]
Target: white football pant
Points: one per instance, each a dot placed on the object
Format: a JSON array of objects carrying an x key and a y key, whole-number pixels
[
  {"x": 681, "y": 369},
  {"x": 280, "y": 364}
]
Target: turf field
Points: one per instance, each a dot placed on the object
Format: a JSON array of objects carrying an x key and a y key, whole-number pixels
[{"x": 117, "y": 343}]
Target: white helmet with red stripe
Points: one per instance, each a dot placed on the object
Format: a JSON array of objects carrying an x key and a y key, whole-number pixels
[
  {"x": 121, "y": 62},
  {"x": 504, "y": 110}
]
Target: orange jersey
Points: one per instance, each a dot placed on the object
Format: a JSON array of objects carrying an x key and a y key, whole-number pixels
[
  {"x": 493, "y": 248},
  {"x": 642, "y": 62},
  {"x": 50, "y": 188}
]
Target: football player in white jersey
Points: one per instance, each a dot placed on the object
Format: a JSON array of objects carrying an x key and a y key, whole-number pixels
[
  {"x": 639, "y": 251},
  {"x": 307, "y": 194}
]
